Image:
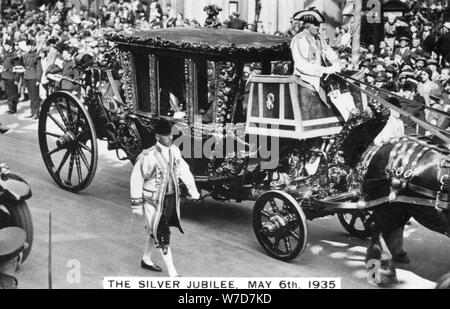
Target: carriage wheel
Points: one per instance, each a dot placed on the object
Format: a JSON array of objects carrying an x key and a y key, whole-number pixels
[
  {"x": 357, "y": 223},
  {"x": 68, "y": 141},
  {"x": 280, "y": 225}
]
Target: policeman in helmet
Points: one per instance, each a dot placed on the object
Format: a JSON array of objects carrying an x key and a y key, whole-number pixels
[{"x": 12, "y": 242}]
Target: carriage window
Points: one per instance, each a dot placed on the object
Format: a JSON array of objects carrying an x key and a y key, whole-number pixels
[
  {"x": 141, "y": 64},
  {"x": 172, "y": 85}
]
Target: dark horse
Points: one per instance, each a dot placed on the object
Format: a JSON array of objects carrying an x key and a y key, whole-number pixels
[{"x": 406, "y": 178}]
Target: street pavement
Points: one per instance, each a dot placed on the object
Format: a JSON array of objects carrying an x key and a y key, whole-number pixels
[{"x": 94, "y": 232}]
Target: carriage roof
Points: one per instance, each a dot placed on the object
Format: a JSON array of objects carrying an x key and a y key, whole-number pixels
[{"x": 221, "y": 44}]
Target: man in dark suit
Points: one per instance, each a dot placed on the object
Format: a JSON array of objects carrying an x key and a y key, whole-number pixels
[
  {"x": 32, "y": 76},
  {"x": 236, "y": 22},
  {"x": 8, "y": 62}
]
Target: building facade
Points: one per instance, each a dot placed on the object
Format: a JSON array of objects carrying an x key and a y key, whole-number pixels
[{"x": 275, "y": 14}]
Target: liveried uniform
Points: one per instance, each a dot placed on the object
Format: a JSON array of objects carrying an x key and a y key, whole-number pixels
[
  {"x": 154, "y": 184},
  {"x": 310, "y": 55}
]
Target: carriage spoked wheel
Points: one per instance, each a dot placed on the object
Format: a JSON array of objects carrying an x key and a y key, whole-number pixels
[
  {"x": 280, "y": 225},
  {"x": 357, "y": 223},
  {"x": 68, "y": 141}
]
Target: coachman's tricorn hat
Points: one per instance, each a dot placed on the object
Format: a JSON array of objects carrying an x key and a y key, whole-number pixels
[
  {"x": 163, "y": 127},
  {"x": 312, "y": 16}
]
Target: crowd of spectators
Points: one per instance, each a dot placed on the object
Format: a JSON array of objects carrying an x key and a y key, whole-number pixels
[{"x": 60, "y": 34}]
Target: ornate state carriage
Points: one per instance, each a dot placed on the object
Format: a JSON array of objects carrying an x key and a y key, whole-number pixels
[{"x": 256, "y": 137}]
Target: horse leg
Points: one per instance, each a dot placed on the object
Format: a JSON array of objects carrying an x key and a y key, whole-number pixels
[
  {"x": 395, "y": 242},
  {"x": 379, "y": 262},
  {"x": 393, "y": 219}
]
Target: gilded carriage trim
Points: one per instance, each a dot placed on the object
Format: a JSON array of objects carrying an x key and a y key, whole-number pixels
[
  {"x": 153, "y": 69},
  {"x": 191, "y": 91},
  {"x": 216, "y": 93},
  {"x": 134, "y": 91},
  {"x": 128, "y": 78}
]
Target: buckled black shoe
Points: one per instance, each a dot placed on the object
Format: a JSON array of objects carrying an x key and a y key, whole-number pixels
[
  {"x": 11, "y": 112},
  {"x": 154, "y": 267}
]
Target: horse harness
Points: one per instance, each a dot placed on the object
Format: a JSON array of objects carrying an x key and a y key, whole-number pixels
[{"x": 401, "y": 169}]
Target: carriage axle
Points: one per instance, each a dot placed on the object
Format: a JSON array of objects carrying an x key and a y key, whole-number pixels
[
  {"x": 278, "y": 225},
  {"x": 67, "y": 140}
]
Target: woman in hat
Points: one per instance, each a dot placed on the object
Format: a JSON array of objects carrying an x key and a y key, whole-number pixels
[
  {"x": 404, "y": 50},
  {"x": 154, "y": 188}
]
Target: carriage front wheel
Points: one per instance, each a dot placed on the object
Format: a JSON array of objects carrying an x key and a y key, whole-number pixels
[
  {"x": 68, "y": 141},
  {"x": 357, "y": 223},
  {"x": 280, "y": 225}
]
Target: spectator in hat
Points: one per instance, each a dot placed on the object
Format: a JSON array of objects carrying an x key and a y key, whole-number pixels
[
  {"x": 236, "y": 23},
  {"x": 426, "y": 30},
  {"x": 420, "y": 64},
  {"x": 370, "y": 77},
  {"x": 404, "y": 50},
  {"x": 433, "y": 65},
  {"x": 403, "y": 77},
  {"x": 409, "y": 91},
  {"x": 12, "y": 242},
  {"x": 32, "y": 76},
  {"x": 381, "y": 80},
  {"x": 9, "y": 60}
]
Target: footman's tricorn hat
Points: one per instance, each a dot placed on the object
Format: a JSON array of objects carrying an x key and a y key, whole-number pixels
[
  {"x": 163, "y": 127},
  {"x": 12, "y": 241},
  {"x": 311, "y": 16}
]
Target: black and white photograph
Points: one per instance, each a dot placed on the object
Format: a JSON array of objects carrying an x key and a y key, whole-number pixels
[{"x": 246, "y": 148}]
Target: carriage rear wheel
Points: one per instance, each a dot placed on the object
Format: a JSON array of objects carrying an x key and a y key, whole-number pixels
[
  {"x": 280, "y": 225},
  {"x": 357, "y": 223},
  {"x": 68, "y": 141}
]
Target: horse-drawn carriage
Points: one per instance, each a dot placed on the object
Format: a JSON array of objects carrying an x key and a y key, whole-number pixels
[{"x": 263, "y": 138}]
